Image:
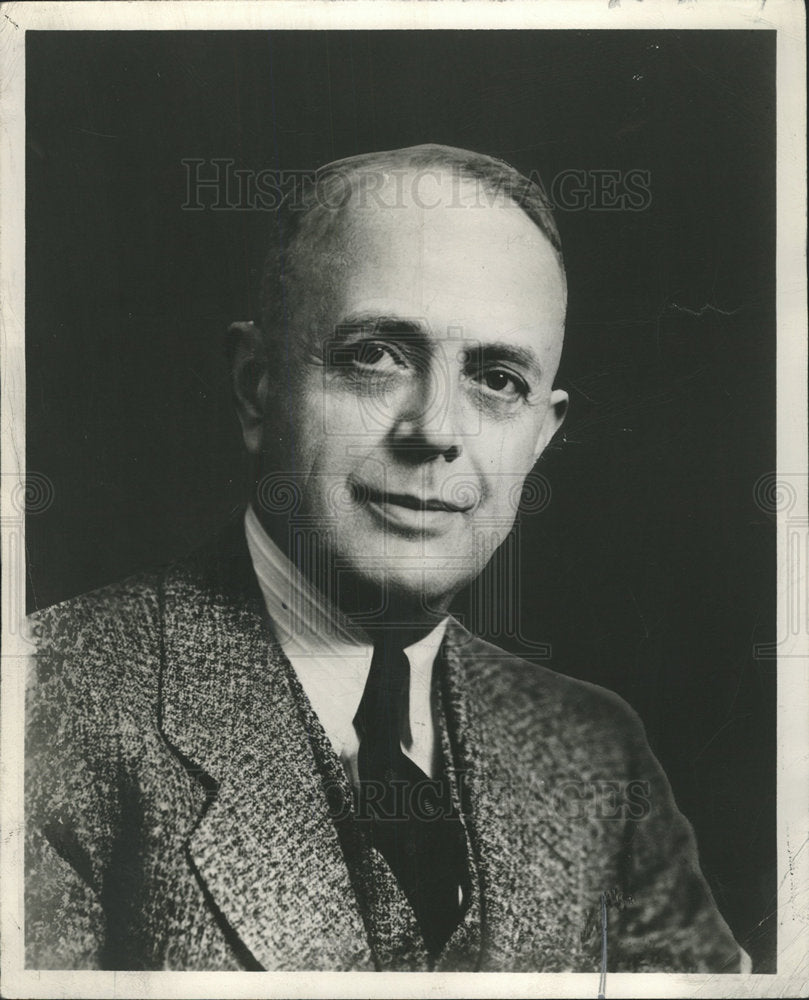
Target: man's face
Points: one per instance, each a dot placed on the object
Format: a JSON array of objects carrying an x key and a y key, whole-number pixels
[{"x": 421, "y": 393}]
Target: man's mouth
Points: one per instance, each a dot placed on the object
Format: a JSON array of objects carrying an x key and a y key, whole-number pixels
[
  {"x": 367, "y": 494},
  {"x": 409, "y": 500},
  {"x": 408, "y": 511}
]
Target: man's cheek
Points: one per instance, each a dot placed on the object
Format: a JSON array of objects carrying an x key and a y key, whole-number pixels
[
  {"x": 504, "y": 476},
  {"x": 340, "y": 416}
]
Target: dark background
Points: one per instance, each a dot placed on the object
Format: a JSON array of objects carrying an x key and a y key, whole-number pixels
[{"x": 652, "y": 569}]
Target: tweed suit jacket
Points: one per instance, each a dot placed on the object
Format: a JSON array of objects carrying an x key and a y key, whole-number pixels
[{"x": 177, "y": 812}]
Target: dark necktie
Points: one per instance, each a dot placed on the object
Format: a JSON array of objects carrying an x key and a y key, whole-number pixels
[{"x": 409, "y": 817}]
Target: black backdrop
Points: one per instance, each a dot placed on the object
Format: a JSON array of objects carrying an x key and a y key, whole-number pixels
[{"x": 652, "y": 569}]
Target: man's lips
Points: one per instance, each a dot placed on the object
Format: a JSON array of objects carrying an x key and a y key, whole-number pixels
[{"x": 367, "y": 494}]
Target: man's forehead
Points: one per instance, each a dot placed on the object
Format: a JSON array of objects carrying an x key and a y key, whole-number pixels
[
  {"x": 409, "y": 200},
  {"x": 423, "y": 220}
]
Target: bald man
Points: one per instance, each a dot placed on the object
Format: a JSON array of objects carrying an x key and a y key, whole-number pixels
[{"x": 283, "y": 752}]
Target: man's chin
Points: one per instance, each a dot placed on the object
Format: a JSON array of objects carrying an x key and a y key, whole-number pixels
[{"x": 417, "y": 593}]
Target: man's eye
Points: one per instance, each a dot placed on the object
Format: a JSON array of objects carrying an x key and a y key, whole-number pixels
[
  {"x": 372, "y": 354},
  {"x": 503, "y": 383}
]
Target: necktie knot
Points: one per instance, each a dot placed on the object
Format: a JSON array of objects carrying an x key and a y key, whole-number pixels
[{"x": 384, "y": 708}]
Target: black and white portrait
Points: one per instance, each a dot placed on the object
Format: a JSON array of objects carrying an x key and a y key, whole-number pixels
[{"x": 398, "y": 585}]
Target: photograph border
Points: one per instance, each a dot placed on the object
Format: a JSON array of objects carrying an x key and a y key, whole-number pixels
[{"x": 788, "y": 493}]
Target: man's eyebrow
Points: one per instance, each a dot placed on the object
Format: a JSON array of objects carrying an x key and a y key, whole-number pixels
[
  {"x": 381, "y": 324},
  {"x": 502, "y": 350}
]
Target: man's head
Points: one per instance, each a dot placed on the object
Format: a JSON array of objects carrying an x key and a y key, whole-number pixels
[{"x": 413, "y": 317}]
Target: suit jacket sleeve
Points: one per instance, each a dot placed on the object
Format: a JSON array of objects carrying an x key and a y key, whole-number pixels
[
  {"x": 73, "y": 776},
  {"x": 668, "y": 919},
  {"x": 64, "y": 918}
]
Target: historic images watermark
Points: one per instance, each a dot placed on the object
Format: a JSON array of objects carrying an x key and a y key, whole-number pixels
[
  {"x": 24, "y": 496},
  {"x": 218, "y": 185},
  {"x": 572, "y": 799},
  {"x": 782, "y": 497}
]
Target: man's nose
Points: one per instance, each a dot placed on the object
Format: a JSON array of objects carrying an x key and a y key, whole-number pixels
[{"x": 428, "y": 423}]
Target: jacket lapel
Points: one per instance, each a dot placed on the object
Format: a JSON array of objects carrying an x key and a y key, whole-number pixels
[
  {"x": 502, "y": 786},
  {"x": 473, "y": 744},
  {"x": 264, "y": 846}
]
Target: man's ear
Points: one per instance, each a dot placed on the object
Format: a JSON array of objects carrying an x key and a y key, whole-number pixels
[
  {"x": 248, "y": 369},
  {"x": 554, "y": 418}
]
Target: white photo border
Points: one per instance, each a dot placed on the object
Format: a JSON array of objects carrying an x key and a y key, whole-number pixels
[{"x": 787, "y": 18}]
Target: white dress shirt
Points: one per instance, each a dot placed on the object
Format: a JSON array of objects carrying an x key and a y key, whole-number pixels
[{"x": 332, "y": 657}]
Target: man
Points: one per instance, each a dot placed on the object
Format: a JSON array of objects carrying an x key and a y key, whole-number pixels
[{"x": 282, "y": 753}]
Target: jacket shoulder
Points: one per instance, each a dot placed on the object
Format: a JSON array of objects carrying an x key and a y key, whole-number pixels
[
  {"x": 113, "y": 627},
  {"x": 122, "y": 598},
  {"x": 93, "y": 672},
  {"x": 522, "y": 691}
]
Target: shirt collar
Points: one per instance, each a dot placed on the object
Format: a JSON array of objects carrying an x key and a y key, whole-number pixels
[{"x": 300, "y": 613}]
